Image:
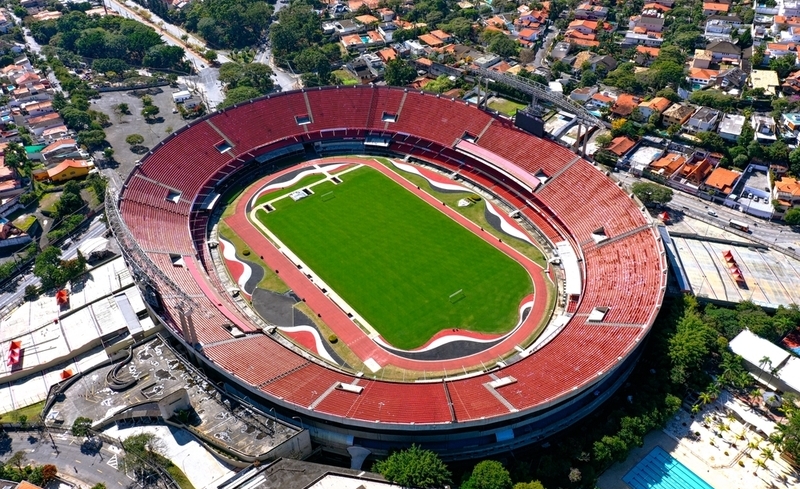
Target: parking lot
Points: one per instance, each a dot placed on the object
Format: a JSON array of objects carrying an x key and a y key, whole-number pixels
[{"x": 124, "y": 125}]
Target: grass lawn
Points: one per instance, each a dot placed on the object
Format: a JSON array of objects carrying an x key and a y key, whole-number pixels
[
  {"x": 397, "y": 260},
  {"x": 31, "y": 412},
  {"x": 271, "y": 281},
  {"x": 475, "y": 213},
  {"x": 25, "y": 222},
  {"x": 506, "y": 107},
  {"x": 345, "y": 78}
]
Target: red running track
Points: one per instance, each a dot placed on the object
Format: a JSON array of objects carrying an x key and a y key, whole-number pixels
[{"x": 343, "y": 326}]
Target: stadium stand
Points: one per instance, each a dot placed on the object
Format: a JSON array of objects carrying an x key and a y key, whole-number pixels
[{"x": 498, "y": 407}]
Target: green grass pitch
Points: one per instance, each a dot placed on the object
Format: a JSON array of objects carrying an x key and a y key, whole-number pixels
[{"x": 398, "y": 261}]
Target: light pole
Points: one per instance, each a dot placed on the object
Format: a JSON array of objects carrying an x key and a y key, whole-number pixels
[{"x": 302, "y": 427}]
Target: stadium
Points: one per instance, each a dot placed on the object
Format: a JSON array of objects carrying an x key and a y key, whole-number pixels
[{"x": 403, "y": 314}]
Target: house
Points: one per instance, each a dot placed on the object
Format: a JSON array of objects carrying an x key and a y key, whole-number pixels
[
  {"x": 588, "y": 11},
  {"x": 766, "y": 79},
  {"x": 346, "y": 26},
  {"x": 702, "y": 76},
  {"x": 730, "y": 128},
  {"x": 624, "y": 105},
  {"x": 5, "y": 22},
  {"x": 650, "y": 20},
  {"x": 765, "y": 129},
  {"x": 653, "y": 39},
  {"x": 38, "y": 108},
  {"x": 580, "y": 59},
  {"x": 387, "y": 54},
  {"x": 667, "y": 164},
  {"x": 677, "y": 114},
  {"x": 621, "y": 145},
  {"x": 645, "y": 55},
  {"x": 59, "y": 150},
  {"x": 583, "y": 95},
  {"x": 657, "y": 104},
  {"x": 10, "y": 184},
  {"x": 46, "y": 15},
  {"x": 724, "y": 51},
  {"x": 779, "y": 49},
  {"x": 702, "y": 59},
  {"x": 790, "y": 124},
  {"x": 606, "y": 62},
  {"x": 561, "y": 50},
  {"x": 367, "y": 19},
  {"x": 656, "y": 6},
  {"x": 731, "y": 79},
  {"x": 721, "y": 180},
  {"x": 442, "y": 35},
  {"x": 387, "y": 30},
  {"x": 602, "y": 100},
  {"x": 787, "y": 192},
  {"x": 54, "y": 132},
  {"x": 705, "y": 119},
  {"x": 696, "y": 170},
  {"x": 38, "y": 125},
  {"x": 68, "y": 170},
  {"x": 583, "y": 26},
  {"x": 711, "y": 8},
  {"x": 431, "y": 40}
]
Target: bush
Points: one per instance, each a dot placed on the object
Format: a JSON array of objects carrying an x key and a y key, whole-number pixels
[
  {"x": 28, "y": 198},
  {"x": 333, "y": 339}
]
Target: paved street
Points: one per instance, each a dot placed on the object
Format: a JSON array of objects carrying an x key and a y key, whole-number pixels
[
  {"x": 541, "y": 53},
  {"x": 779, "y": 235},
  {"x": 13, "y": 296},
  {"x": 79, "y": 465}
]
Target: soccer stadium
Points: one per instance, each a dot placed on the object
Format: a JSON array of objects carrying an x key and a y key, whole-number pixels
[{"x": 384, "y": 266}]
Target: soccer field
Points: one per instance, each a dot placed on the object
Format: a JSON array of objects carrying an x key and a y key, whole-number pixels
[{"x": 397, "y": 261}]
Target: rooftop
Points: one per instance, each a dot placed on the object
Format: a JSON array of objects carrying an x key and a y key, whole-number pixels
[
  {"x": 621, "y": 145},
  {"x": 722, "y": 179}
]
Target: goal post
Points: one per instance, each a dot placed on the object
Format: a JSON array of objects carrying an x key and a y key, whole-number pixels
[{"x": 457, "y": 296}]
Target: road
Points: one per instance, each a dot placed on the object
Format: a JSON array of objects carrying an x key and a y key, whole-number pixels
[
  {"x": 11, "y": 297},
  {"x": 79, "y": 466},
  {"x": 548, "y": 41},
  {"x": 777, "y": 234},
  {"x": 206, "y": 79}
]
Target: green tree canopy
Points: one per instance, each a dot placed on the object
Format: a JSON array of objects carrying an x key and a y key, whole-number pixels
[
  {"x": 80, "y": 427},
  {"x": 650, "y": 193},
  {"x": 398, "y": 73},
  {"x": 254, "y": 75},
  {"x": 792, "y": 216},
  {"x": 488, "y": 474},
  {"x": 414, "y": 467},
  {"x": 238, "y": 95}
]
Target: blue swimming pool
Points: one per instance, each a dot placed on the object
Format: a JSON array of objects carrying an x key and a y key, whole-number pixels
[{"x": 658, "y": 470}]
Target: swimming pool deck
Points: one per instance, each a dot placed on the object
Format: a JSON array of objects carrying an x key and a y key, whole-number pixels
[{"x": 707, "y": 461}]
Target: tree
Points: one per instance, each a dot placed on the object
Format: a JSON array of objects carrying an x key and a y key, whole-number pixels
[
  {"x": 783, "y": 65},
  {"x": 142, "y": 452},
  {"x": 49, "y": 473},
  {"x": 150, "y": 111},
  {"x": 529, "y": 485},
  {"x": 488, "y": 474},
  {"x": 122, "y": 108},
  {"x": 80, "y": 427},
  {"x": 603, "y": 140},
  {"x": 504, "y": 46},
  {"x": 398, "y": 73},
  {"x": 48, "y": 267},
  {"x": 92, "y": 139},
  {"x": 17, "y": 459},
  {"x": 650, "y": 193},
  {"x": 255, "y": 75},
  {"x": 134, "y": 139},
  {"x": 526, "y": 56},
  {"x": 792, "y": 216},
  {"x": 574, "y": 475},
  {"x": 414, "y": 467},
  {"x": 238, "y": 95}
]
